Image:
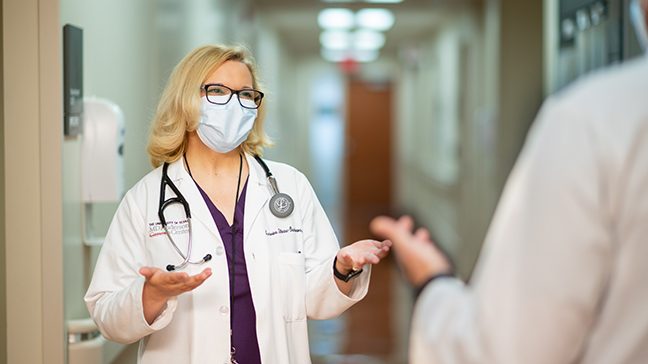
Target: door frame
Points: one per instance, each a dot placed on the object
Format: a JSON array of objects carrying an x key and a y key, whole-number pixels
[{"x": 32, "y": 114}]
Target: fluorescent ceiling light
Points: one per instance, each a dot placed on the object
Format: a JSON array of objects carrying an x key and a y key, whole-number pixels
[
  {"x": 365, "y": 55},
  {"x": 333, "y": 55},
  {"x": 376, "y": 19},
  {"x": 335, "y": 18},
  {"x": 335, "y": 39},
  {"x": 383, "y": 1},
  {"x": 368, "y": 40},
  {"x": 336, "y": 55},
  {"x": 366, "y": 1}
]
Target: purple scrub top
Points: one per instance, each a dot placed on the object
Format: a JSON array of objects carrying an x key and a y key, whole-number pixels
[{"x": 244, "y": 336}]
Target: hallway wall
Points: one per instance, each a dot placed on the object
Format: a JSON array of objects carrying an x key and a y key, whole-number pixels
[
  {"x": 3, "y": 241},
  {"x": 31, "y": 114},
  {"x": 437, "y": 141},
  {"x": 467, "y": 94},
  {"x": 125, "y": 80}
]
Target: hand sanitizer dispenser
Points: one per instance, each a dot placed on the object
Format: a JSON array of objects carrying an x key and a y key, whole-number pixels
[{"x": 102, "y": 151}]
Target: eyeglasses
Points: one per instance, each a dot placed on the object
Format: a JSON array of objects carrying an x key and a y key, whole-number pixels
[{"x": 220, "y": 95}]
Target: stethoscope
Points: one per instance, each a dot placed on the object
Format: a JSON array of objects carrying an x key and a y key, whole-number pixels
[{"x": 281, "y": 205}]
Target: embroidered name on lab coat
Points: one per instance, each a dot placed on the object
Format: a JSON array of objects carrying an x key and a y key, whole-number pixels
[
  {"x": 283, "y": 231},
  {"x": 174, "y": 227}
]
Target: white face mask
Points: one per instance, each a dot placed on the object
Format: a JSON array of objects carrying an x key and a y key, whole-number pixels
[{"x": 224, "y": 127}]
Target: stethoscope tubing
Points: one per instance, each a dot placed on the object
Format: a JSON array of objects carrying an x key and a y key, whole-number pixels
[
  {"x": 189, "y": 247},
  {"x": 166, "y": 181},
  {"x": 179, "y": 198}
]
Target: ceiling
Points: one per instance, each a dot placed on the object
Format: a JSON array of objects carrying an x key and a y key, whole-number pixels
[{"x": 296, "y": 20}]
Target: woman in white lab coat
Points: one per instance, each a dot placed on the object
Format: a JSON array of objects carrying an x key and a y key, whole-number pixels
[{"x": 236, "y": 281}]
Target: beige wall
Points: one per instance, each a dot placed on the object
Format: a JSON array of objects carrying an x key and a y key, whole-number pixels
[
  {"x": 126, "y": 80},
  {"x": 3, "y": 276},
  {"x": 521, "y": 77},
  {"x": 512, "y": 95},
  {"x": 465, "y": 103},
  {"x": 32, "y": 130},
  {"x": 438, "y": 110}
]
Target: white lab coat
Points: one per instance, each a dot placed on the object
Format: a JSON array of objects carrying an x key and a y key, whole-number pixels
[
  {"x": 563, "y": 275},
  {"x": 289, "y": 263}
]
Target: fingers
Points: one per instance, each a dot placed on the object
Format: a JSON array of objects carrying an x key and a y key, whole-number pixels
[
  {"x": 363, "y": 252},
  {"x": 170, "y": 284},
  {"x": 398, "y": 231},
  {"x": 198, "y": 279},
  {"x": 382, "y": 253},
  {"x": 406, "y": 222},
  {"x": 382, "y": 248},
  {"x": 148, "y": 272},
  {"x": 370, "y": 258},
  {"x": 345, "y": 261},
  {"x": 422, "y": 234},
  {"x": 177, "y": 277},
  {"x": 382, "y": 225}
]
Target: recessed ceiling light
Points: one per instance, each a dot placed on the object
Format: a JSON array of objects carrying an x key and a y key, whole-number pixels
[
  {"x": 333, "y": 55},
  {"x": 335, "y": 18},
  {"x": 368, "y": 39},
  {"x": 383, "y": 1},
  {"x": 335, "y": 39},
  {"x": 365, "y": 55},
  {"x": 377, "y": 19}
]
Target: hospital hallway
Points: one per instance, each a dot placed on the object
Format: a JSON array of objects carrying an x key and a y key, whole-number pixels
[{"x": 388, "y": 107}]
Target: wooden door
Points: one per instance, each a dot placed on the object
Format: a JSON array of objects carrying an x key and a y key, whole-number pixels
[{"x": 367, "y": 194}]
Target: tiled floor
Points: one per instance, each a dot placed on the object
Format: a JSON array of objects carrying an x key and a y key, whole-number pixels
[
  {"x": 365, "y": 333},
  {"x": 350, "y": 359}
]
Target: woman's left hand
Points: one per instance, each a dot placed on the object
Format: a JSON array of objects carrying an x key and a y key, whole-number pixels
[{"x": 354, "y": 256}]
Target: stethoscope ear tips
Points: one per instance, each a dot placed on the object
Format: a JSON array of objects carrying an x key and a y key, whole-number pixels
[{"x": 171, "y": 267}]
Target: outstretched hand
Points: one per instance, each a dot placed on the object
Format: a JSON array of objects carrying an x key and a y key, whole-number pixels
[
  {"x": 160, "y": 286},
  {"x": 417, "y": 255},
  {"x": 164, "y": 284},
  {"x": 354, "y": 256}
]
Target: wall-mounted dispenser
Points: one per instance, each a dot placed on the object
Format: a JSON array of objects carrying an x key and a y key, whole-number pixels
[
  {"x": 102, "y": 181},
  {"x": 102, "y": 151},
  {"x": 102, "y": 159}
]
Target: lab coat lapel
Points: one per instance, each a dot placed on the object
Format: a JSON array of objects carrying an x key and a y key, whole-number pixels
[
  {"x": 189, "y": 190},
  {"x": 258, "y": 194}
]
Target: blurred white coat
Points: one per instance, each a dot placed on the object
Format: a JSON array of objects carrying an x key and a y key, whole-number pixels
[{"x": 563, "y": 277}]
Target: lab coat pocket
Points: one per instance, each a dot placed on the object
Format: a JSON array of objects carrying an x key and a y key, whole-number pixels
[{"x": 291, "y": 273}]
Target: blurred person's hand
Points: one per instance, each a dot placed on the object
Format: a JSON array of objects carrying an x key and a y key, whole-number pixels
[{"x": 417, "y": 255}]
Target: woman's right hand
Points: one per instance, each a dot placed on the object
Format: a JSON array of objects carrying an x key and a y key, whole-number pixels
[{"x": 160, "y": 286}]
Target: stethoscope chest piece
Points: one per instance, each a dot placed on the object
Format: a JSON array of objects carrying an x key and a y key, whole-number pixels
[{"x": 281, "y": 205}]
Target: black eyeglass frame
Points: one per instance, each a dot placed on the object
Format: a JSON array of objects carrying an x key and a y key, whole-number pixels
[{"x": 232, "y": 92}]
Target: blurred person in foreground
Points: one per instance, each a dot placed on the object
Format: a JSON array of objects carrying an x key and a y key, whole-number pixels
[{"x": 563, "y": 274}]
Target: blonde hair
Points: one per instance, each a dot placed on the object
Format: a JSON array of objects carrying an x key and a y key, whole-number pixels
[{"x": 178, "y": 111}]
